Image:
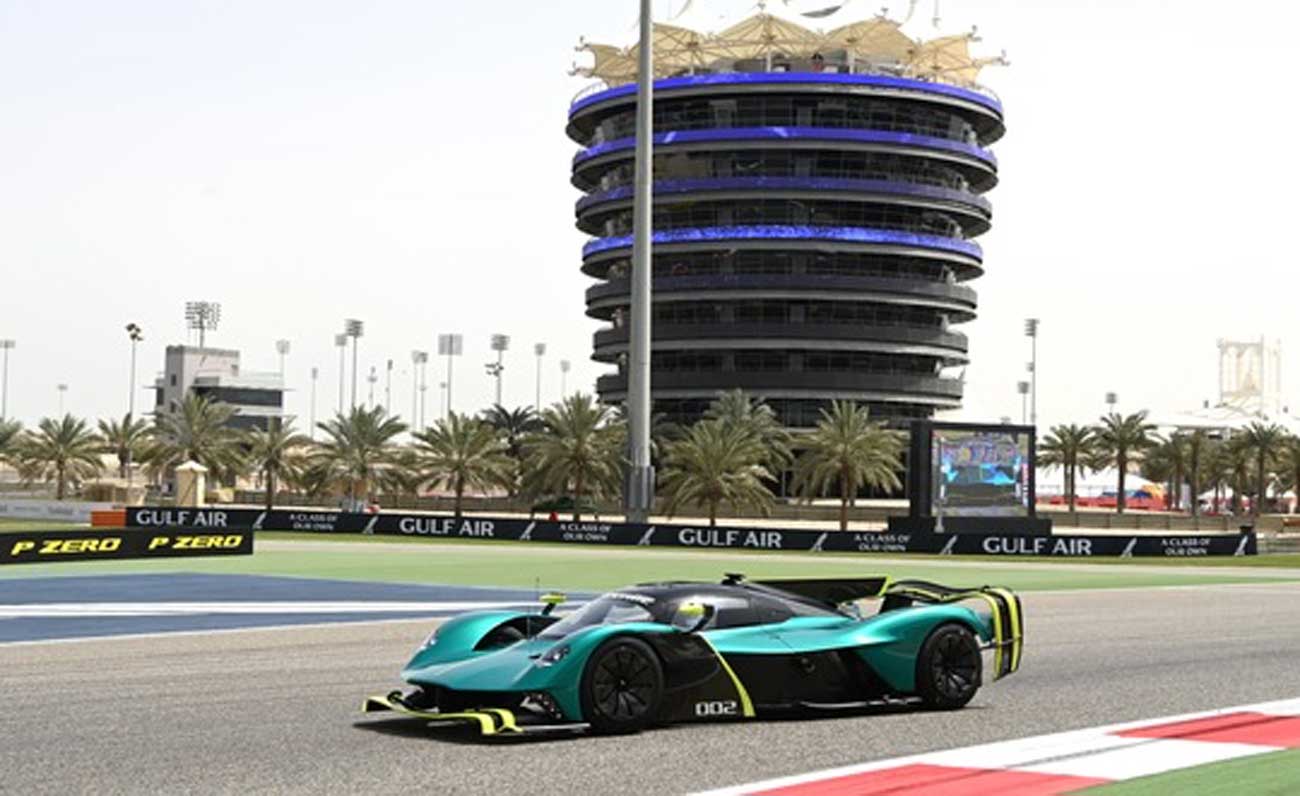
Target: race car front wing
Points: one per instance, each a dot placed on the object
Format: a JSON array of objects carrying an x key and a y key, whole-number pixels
[{"x": 490, "y": 721}]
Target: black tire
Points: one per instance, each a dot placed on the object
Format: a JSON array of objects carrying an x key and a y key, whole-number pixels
[
  {"x": 948, "y": 668},
  {"x": 622, "y": 686}
]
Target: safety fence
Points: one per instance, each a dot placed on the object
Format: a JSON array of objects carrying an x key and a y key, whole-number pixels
[{"x": 216, "y": 520}]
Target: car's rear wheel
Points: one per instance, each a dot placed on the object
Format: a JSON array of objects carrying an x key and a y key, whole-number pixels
[
  {"x": 622, "y": 686},
  {"x": 948, "y": 668}
]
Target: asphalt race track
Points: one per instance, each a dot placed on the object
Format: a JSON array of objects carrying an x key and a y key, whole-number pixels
[{"x": 275, "y": 710}]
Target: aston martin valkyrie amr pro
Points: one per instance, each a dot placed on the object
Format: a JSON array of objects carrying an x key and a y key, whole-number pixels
[{"x": 672, "y": 652}]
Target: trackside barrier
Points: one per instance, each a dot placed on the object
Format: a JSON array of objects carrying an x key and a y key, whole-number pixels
[
  {"x": 665, "y": 535},
  {"x": 44, "y": 547}
]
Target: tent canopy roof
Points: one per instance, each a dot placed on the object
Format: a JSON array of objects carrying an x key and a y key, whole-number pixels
[{"x": 877, "y": 44}]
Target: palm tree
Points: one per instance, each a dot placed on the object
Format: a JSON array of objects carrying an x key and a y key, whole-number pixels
[
  {"x": 515, "y": 424},
  {"x": 849, "y": 451},
  {"x": 1289, "y": 460},
  {"x": 1197, "y": 449},
  {"x": 125, "y": 439},
  {"x": 198, "y": 431},
  {"x": 1121, "y": 441},
  {"x": 1231, "y": 463},
  {"x": 10, "y": 433},
  {"x": 464, "y": 453},
  {"x": 1158, "y": 466},
  {"x": 738, "y": 411},
  {"x": 1071, "y": 448},
  {"x": 579, "y": 452},
  {"x": 64, "y": 450},
  {"x": 1265, "y": 441},
  {"x": 359, "y": 453},
  {"x": 277, "y": 454},
  {"x": 717, "y": 463}
]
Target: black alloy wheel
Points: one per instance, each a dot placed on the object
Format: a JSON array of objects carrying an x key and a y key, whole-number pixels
[
  {"x": 622, "y": 686},
  {"x": 948, "y": 669}
]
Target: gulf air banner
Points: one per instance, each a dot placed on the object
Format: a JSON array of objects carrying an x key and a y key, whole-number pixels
[{"x": 676, "y": 535}]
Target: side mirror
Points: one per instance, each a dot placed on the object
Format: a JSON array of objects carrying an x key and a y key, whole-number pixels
[
  {"x": 552, "y": 599},
  {"x": 694, "y": 616}
]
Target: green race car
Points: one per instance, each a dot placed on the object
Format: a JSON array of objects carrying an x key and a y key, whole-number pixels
[{"x": 672, "y": 652}]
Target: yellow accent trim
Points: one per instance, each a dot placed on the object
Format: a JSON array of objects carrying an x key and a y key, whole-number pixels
[
  {"x": 998, "y": 637},
  {"x": 1017, "y": 627},
  {"x": 507, "y": 719},
  {"x": 554, "y": 598},
  {"x": 486, "y": 724},
  {"x": 746, "y": 706}
]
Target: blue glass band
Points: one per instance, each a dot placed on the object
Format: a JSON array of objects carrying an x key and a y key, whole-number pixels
[
  {"x": 794, "y": 78},
  {"x": 785, "y": 232},
  {"x": 732, "y": 134},
  {"x": 792, "y": 183}
]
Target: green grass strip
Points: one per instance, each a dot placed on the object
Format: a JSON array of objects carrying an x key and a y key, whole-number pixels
[{"x": 1274, "y": 774}]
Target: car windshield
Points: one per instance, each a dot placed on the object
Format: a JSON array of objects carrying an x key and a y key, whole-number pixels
[{"x": 611, "y": 609}]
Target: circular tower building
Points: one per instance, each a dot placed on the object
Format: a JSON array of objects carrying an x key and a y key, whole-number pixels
[{"x": 813, "y": 236}]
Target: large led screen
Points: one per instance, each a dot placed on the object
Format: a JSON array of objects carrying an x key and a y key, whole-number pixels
[{"x": 980, "y": 473}]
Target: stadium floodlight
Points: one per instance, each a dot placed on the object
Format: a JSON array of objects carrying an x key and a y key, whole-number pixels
[
  {"x": 135, "y": 334},
  {"x": 388, "y": 388},
  {"x": 315, "y": 374},
  {"x": 202, "y": 316},
  {"x": 1031, "y": 331},
  {"x": 341, "y": 343},
  {"x": 449, "y": 346},
  {"x": 419, "y": 363},
  {"x": 1111, "y": 400},
  {"x": 540, "y": 351},
  {"x": 500, "y": 344},
  {"x": 1022, "y": 387},
  {"x": 6, "y": 346},
  {"x": 282, "y": 348},
  {"x": 355, "y": 329},
  {"x": 62, "y": 388}
]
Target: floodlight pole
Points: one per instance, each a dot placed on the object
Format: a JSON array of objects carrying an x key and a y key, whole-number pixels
[
  {"x": 540, "y": 351},
  {"x": 135, "y": 334},
  {"x": 638, "y": 496},
  {"x": 417, "y": 371},
  {"x": 388, "y": 389},
  {"x": 1031, "y": 331},
  {"x": 6, "y": 346},
  {"x": 315, "y": 374},
  {"x": 282, "y": 348},
  {"x": 354, "y": 328},
  {"x": 341, "y": 343}
]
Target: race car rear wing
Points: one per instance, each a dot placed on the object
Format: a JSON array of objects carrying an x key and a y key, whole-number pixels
[{"x": 1006, "y": 613}]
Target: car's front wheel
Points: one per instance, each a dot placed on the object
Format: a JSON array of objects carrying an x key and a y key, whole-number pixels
[
  {"x": 948, "y": 668},
  {"x": 622, "y": 686}
]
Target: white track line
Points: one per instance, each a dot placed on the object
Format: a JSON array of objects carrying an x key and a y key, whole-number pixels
[
  {"x": 220, "y": 631},
  {"x": 113, "y": 609},
  {"x": 1092, "y": 752}
]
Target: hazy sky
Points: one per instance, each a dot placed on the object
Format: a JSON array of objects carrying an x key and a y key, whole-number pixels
[{"x": 404, "y": 162}]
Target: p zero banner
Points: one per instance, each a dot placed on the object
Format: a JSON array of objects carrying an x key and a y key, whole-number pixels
[
  {"x": 43, "y": 547},
  {"x": 662, "y": 535}
]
